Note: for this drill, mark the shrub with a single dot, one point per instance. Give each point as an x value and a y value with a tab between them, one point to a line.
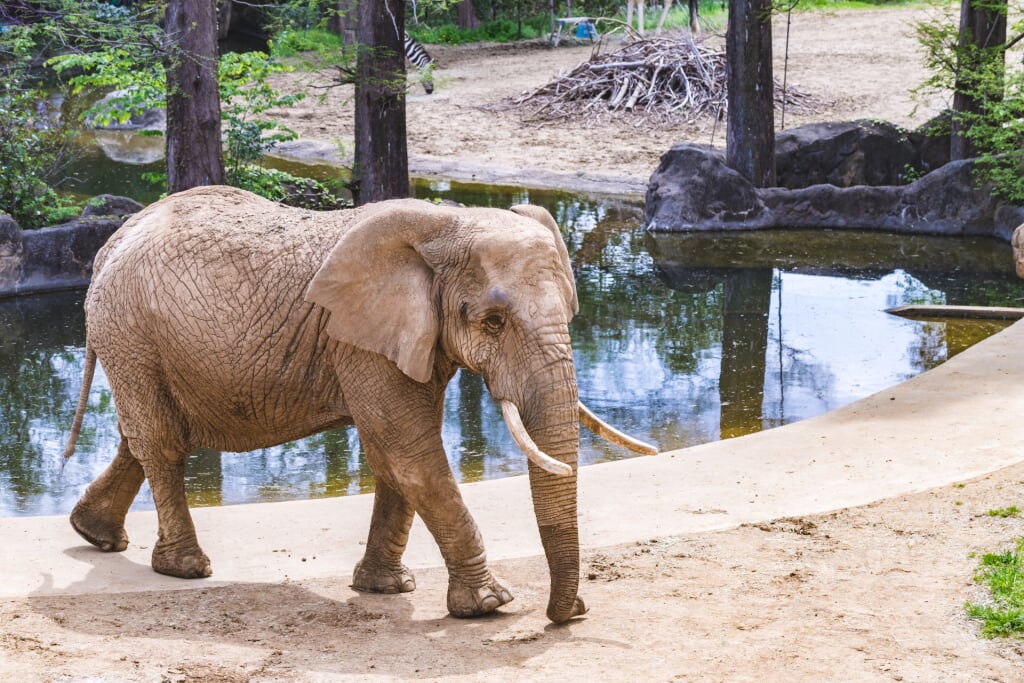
34	142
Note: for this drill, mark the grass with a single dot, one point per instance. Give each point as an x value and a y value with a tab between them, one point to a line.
1003	573
713	16
1012	511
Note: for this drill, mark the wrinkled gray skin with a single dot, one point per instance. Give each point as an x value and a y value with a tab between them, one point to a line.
225	321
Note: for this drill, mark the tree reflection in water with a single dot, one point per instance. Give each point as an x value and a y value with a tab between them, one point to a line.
680	340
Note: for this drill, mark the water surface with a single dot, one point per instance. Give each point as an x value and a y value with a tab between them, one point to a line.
680	340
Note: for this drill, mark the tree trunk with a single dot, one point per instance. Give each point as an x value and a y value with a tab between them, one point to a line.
381	156
194	153
466	14
982	36
224	18
344	20
750	133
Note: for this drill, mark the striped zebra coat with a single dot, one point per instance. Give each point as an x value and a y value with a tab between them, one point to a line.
422	60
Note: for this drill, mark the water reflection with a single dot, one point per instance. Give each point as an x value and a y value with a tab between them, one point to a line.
680	340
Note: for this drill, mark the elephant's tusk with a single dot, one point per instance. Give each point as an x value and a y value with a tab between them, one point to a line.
526	444
613	435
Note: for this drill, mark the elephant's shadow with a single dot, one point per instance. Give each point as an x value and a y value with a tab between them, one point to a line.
314	625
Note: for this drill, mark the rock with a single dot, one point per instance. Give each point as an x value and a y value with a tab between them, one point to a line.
852	153
828	206
128	147
10	252
1018	249
54	258
141	119
111	205
694	189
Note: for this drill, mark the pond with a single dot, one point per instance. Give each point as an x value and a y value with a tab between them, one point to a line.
680	340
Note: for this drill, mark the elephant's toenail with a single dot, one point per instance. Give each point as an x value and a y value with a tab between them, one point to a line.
490	603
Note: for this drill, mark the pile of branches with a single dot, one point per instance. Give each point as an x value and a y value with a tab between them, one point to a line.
654	80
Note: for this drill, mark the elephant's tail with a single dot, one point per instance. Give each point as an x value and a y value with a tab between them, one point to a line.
83	400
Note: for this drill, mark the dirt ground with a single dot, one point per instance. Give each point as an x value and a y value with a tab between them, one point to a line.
859	64
874	593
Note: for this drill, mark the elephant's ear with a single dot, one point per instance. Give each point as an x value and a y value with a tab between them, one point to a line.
542	216
379	289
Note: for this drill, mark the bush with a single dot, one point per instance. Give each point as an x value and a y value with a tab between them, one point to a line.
34	142
286	188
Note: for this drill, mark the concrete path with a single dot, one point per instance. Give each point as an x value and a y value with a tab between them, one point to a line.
958	421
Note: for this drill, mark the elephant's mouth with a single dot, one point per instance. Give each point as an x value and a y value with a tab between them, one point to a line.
587	418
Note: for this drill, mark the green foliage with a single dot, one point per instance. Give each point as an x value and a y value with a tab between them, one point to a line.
1012	511
996	129
135	88
497	31
245	95
284	187
1003	615
290	42
34	143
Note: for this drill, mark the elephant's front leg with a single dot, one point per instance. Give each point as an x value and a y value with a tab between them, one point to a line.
381	569
426	482
399	424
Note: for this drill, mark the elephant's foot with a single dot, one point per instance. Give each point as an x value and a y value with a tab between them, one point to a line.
103	531
186	561
472	601
372	578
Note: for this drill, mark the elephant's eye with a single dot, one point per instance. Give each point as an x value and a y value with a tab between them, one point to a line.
494	322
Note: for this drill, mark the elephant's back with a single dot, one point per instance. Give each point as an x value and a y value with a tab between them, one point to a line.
214	252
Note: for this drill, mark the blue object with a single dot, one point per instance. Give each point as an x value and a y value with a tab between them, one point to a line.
585	29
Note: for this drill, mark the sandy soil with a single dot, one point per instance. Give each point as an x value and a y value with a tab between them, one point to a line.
866	594
856	64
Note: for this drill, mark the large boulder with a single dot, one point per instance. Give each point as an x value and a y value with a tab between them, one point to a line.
693	187
853	153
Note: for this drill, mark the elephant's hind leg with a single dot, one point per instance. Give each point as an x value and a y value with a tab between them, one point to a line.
99	515
381	569
177	551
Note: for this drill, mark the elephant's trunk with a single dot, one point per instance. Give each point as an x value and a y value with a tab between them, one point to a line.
552	420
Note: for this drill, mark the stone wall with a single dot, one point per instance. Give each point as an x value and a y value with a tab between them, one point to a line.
693	189
58	257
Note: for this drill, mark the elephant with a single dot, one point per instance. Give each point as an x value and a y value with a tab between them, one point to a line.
227	321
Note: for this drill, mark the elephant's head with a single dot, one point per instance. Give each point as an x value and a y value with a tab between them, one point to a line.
493	292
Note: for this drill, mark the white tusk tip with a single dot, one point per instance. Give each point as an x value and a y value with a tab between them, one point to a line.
559	469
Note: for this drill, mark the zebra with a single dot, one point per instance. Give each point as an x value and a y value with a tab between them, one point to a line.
422	60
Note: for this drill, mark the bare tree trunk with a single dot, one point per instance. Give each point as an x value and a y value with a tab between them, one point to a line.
750	133
466	14
982	36
194	152
381	155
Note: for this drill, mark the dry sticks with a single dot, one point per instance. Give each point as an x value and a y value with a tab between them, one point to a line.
655	80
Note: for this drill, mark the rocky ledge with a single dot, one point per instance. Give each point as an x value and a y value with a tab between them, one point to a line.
58	257
845	175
